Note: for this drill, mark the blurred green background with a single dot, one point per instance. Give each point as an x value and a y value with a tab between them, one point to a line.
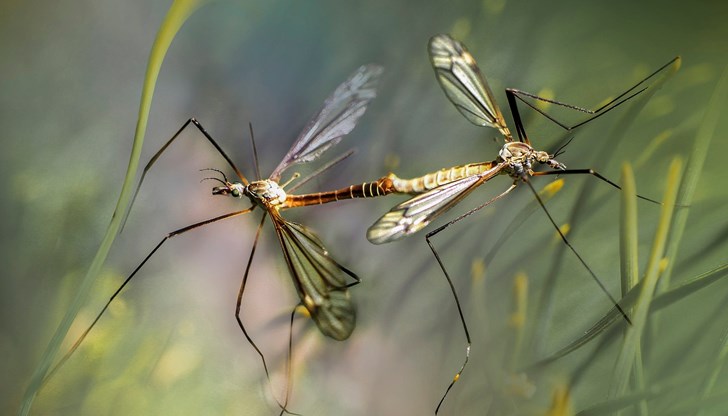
71	78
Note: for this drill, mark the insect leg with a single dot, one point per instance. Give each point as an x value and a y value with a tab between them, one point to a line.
289	360
133	273
238	305
156	156
576	253
512	94
593	173
452	286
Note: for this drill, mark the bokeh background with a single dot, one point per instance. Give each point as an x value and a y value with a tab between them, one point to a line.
71	79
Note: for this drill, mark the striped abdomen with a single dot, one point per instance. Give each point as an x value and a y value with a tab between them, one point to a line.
380	187
433	180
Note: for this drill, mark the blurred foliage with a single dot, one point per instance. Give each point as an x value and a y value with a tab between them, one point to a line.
72	75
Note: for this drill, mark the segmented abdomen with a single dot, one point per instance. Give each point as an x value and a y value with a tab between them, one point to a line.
380	187
433	180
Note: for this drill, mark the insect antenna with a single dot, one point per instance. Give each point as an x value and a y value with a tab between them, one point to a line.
216	170
213	179
560	151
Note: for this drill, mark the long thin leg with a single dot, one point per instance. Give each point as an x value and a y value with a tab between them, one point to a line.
589	172
156	156
133	273
576	253
289	360
452	286
512	94
238	305
510	230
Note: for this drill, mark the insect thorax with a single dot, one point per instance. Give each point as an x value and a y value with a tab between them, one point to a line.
266	192
521	158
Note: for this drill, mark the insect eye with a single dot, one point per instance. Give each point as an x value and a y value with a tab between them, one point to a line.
235	193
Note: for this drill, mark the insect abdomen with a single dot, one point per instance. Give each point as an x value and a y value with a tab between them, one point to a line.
433	180
380	187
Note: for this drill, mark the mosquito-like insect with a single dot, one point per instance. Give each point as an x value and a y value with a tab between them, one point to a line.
321	282
460	78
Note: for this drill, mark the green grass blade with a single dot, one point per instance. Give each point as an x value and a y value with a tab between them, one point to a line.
689	287
654	390
178	13
709	384
693	169
628	231
630	345
662	301
607	149
629	262
717	400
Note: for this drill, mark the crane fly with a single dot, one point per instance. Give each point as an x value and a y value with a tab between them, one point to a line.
460	78
320	281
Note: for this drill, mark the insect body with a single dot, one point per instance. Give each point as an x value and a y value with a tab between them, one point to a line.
321	283
461	80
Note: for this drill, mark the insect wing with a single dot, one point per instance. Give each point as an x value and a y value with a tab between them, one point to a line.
320	281
414	214
459	76
337	117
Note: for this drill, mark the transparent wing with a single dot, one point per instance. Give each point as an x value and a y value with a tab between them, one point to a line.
415	213
459	76
320	281
337	117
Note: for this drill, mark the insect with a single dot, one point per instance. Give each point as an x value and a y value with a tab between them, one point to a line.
461	80
321	283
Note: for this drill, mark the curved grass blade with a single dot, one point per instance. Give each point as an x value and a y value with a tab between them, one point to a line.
657	389
694	167
685	195
631	344
689	287
719	363
618	133
178	13
629	266
629	262
658	303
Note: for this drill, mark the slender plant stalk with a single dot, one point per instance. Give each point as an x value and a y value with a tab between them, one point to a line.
545	304
693	168
626	358
628	231
178	13
687	188
629	260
